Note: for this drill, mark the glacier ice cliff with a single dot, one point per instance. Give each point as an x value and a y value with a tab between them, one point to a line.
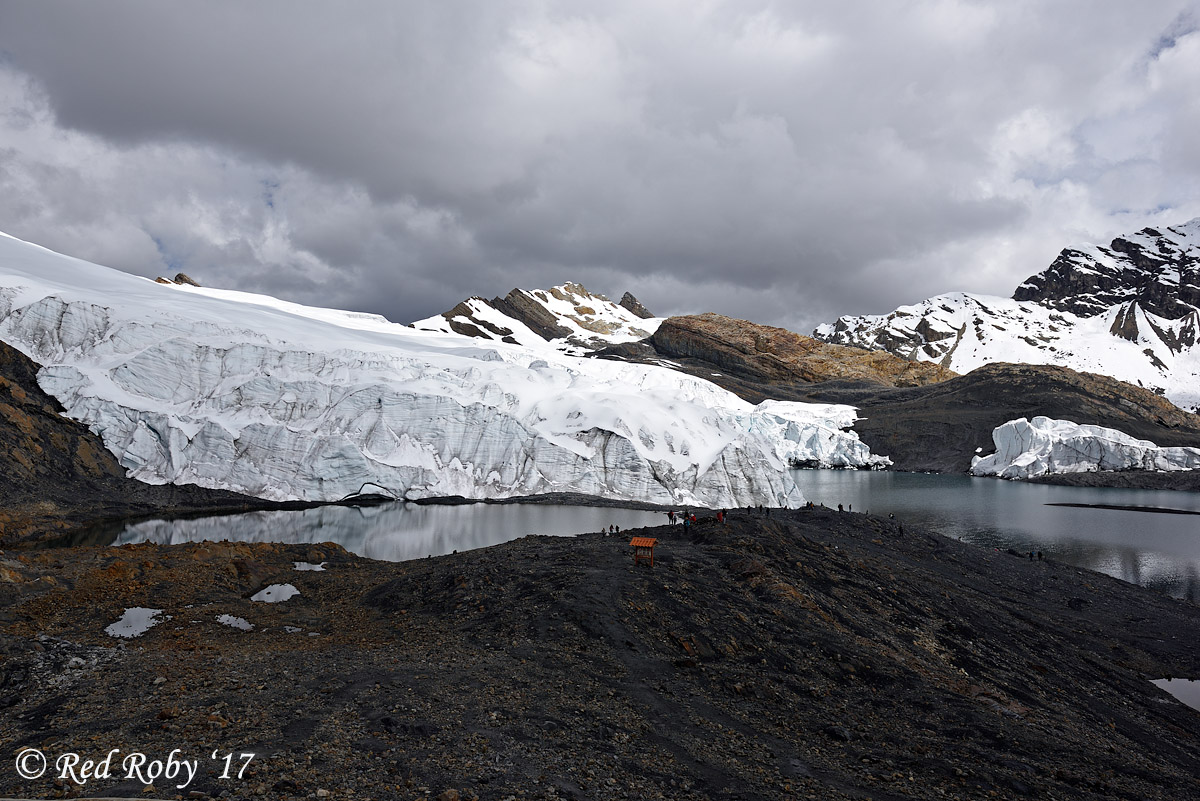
1026	448
249	393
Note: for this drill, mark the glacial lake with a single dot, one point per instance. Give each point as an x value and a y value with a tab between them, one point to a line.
1154	549
1161	551
395	532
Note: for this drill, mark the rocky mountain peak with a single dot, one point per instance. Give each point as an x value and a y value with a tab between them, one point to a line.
569	317
1157	267
1129	309
628	301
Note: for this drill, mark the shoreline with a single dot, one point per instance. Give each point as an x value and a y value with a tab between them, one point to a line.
1127	508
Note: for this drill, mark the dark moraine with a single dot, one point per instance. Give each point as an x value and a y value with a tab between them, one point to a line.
803	654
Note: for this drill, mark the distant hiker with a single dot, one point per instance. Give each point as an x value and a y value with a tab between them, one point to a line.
849	507
671	516
840	509
1031	556
610	528
618	529
1039	556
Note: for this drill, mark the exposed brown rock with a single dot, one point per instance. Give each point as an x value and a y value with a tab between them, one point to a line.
776	355
184	278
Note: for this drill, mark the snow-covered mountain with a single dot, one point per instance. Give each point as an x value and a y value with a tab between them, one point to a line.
568	317
246	392
1130	310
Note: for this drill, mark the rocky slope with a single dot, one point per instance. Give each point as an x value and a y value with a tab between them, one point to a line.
807	654
1159	269
759	362
776	355
56	476
941	427
1130	310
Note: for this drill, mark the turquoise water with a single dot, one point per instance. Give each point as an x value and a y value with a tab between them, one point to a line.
1155	550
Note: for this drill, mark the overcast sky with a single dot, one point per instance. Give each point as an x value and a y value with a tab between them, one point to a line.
784	162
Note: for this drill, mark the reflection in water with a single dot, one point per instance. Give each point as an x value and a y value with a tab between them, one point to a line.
394	532
1185	690
1161	551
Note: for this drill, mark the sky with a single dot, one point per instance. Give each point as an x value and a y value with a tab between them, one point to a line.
782	162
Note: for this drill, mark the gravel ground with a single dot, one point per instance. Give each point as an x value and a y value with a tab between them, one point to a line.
804	654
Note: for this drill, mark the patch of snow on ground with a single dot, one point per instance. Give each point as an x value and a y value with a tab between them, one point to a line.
135	622
309	566
235	622
275	593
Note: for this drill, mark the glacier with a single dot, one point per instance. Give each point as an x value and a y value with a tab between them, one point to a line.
249	393
1027	448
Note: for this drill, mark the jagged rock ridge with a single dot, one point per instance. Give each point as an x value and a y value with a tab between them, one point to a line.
568	317
1157	269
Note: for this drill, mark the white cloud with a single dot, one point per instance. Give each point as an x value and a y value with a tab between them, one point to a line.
781	161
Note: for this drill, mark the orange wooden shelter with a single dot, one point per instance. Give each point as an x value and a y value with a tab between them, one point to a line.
643	548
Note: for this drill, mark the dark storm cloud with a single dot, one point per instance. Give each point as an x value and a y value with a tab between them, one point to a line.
785	162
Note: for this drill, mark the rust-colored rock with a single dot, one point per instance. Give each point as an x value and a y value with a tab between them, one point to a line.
766	353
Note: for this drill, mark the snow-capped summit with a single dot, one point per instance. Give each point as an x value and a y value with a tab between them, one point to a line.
1159	270
567	317
246	392
1130	310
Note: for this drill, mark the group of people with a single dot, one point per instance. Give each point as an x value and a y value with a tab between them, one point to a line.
688	519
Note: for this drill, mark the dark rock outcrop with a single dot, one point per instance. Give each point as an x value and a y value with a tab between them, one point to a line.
938	428
634	305
1159	269
922	416
521	306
